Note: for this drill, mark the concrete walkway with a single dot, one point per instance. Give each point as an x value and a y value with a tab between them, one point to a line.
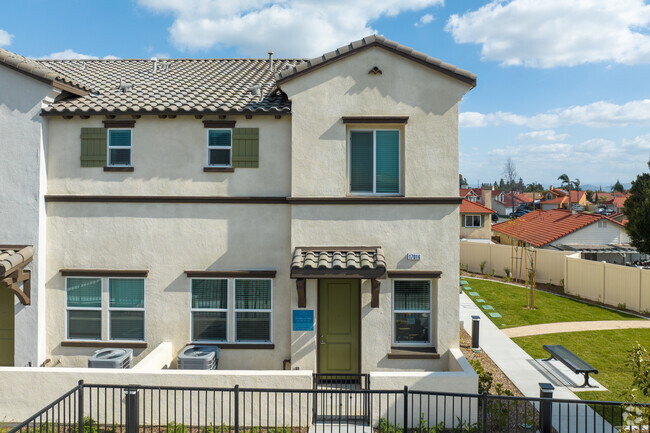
556	328
527	374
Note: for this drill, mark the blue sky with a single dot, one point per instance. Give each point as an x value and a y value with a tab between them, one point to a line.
562	85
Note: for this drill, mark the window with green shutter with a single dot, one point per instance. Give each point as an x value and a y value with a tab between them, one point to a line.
245	147
93	147
374	162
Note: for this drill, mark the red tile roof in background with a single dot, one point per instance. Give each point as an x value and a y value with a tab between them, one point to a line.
540	227
470	207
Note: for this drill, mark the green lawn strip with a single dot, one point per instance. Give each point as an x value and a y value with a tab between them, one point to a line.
510	302
606	351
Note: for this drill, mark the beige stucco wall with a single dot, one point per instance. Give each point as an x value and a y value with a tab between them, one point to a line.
168	156
483	232
168	239
426	229
344	88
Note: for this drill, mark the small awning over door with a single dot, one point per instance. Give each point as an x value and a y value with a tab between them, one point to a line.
338	262
12	261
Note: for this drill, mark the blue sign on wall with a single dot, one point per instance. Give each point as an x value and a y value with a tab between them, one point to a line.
303	320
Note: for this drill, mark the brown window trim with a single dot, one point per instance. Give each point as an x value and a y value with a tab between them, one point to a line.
116	344
376	119
218	169
397	352
367	200
247	346
219	123
119	168
139	273
413	274
120	123
231	274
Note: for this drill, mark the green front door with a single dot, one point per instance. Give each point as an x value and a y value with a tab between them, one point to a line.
339	306
6	327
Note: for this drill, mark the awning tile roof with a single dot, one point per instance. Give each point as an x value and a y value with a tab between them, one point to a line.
339	260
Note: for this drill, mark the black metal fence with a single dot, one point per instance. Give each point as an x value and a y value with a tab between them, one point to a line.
89	408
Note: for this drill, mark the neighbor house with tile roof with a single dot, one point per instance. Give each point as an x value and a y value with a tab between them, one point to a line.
285	210
475	221
597	237
556	198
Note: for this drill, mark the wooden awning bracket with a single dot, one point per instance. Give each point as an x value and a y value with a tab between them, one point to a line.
374	300
301	287
13	280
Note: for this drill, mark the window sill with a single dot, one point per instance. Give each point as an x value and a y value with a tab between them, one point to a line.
218	169
116	344
267	346
119	169
413	353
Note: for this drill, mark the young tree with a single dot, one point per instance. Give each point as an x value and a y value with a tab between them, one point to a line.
510	173
520	185
566	182
590	196
618	187
637	210
461	180
502	184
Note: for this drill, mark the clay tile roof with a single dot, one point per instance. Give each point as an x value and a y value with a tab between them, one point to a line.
470	207
376	41
39	71
540	227
368	262
183	86
14	257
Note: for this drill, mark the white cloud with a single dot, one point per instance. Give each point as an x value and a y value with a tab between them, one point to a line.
303	28
5	38
72	55
552	33
424	20
640	142
545	135
598	114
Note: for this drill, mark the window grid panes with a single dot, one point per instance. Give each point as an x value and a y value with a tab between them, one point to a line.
119	147
374	162
253	308
126	308
220	147
84	308
209	309
472	221
412	311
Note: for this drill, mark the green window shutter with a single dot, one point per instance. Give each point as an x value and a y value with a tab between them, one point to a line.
93	147
245	147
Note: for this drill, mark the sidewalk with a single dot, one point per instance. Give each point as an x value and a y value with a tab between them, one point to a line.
526	373
556	328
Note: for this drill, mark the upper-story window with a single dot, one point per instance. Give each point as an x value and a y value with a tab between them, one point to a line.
472	221
549	196
374	162
119	147
219	147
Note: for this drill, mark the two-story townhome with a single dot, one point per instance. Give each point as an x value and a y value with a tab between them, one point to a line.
298	214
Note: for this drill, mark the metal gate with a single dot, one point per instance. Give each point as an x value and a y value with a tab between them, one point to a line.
339	406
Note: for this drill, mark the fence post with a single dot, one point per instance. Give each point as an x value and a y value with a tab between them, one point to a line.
132	410
485	413
406	408
80	408
546	407
315	397
236	408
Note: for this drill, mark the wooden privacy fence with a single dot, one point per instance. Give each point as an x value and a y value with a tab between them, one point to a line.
611	284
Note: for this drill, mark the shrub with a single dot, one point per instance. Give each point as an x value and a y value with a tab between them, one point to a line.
173	427
622	306
90	426
386	427
494	271
485	378
506	270
482	265
424	427
216	429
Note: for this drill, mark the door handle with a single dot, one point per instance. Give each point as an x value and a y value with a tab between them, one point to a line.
321	340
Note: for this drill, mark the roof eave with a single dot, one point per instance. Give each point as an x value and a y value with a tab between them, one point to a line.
51	113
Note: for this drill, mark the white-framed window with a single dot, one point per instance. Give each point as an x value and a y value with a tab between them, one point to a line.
86	311
219	148
209	309
374	161
253	310
473	198
549	196
119	147
83	308
472	221
412	311
126	309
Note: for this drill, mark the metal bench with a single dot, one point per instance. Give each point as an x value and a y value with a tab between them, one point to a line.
571	360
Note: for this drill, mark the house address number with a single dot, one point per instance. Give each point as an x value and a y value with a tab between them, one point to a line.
412	256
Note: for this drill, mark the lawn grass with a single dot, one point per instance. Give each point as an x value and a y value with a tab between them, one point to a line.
510	302
606	351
